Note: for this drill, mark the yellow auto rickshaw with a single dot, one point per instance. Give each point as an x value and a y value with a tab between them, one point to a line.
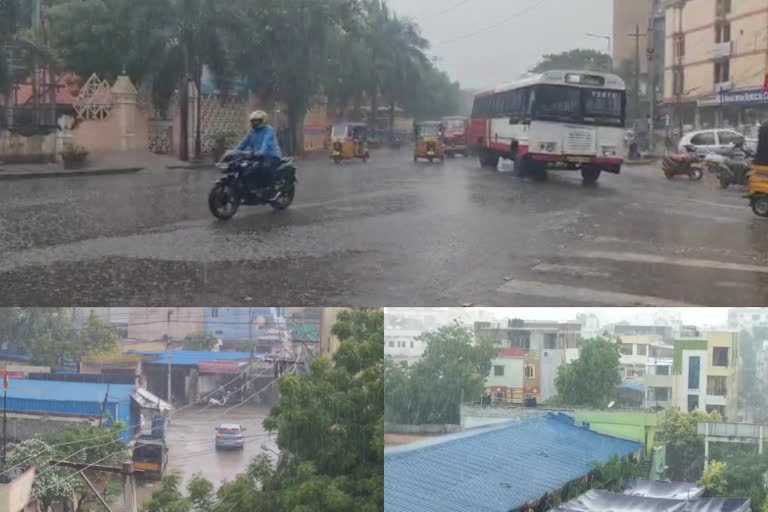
429	141
757	189
150	455
348	141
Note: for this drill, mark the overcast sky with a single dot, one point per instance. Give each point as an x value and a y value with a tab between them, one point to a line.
487	56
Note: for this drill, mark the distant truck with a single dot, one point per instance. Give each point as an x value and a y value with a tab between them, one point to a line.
455	135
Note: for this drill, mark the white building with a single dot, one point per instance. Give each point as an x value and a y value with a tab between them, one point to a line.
746	319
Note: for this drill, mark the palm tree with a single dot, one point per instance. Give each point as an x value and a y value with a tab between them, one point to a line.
405	64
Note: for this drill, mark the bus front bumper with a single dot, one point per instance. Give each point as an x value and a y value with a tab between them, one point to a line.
607	164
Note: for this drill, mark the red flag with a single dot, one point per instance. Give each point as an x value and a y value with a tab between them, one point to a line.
5	381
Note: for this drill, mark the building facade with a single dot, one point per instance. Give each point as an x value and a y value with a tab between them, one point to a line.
152	324
506	380
706	374
715	63
747	319
552	344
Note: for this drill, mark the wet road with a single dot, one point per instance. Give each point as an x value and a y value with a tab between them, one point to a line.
386	233
191	445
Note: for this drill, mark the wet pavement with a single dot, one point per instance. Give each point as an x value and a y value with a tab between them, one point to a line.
191	449
389	232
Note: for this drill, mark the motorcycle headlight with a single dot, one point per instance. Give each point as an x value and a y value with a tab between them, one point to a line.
548	147
222	166
609	150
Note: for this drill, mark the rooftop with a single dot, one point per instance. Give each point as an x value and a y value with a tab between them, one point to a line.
68	391
193	357
479	470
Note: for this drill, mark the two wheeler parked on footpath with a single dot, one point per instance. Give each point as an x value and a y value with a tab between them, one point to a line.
687	164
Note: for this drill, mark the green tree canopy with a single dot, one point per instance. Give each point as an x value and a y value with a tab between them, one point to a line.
685	449
454	365
200	340
714	479
578	59
593	378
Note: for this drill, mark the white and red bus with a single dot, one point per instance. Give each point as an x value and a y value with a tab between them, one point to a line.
559	119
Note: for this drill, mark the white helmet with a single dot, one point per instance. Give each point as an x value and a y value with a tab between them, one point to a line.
258	117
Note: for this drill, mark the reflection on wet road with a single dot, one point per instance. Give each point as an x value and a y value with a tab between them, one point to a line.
389	232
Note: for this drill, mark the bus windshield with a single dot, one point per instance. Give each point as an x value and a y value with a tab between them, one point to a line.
579	105
454	126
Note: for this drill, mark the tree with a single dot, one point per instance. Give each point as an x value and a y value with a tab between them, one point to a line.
685	449
454	365
96	337
578	59
200	340
714	480
52	484
592	379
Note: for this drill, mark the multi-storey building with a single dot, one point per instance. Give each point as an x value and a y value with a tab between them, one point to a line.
506	380
152	324
747	319
716	62
545	347
658	376
705	374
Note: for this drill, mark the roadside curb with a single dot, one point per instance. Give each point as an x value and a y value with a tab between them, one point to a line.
191	167
66	173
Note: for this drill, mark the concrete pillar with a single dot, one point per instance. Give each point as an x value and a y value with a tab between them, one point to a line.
64	133
126	105
706	446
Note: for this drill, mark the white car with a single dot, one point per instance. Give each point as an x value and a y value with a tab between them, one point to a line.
713	141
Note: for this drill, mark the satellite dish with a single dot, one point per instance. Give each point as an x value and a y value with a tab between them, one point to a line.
611	404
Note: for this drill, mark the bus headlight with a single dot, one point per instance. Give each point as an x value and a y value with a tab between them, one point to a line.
548	147
609	150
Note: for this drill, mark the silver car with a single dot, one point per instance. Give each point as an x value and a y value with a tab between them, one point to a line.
230	436
716	140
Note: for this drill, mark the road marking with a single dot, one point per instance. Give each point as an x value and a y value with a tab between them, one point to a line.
572	294
574	270
631	257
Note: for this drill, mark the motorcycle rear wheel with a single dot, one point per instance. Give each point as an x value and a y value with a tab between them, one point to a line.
223	202
286	198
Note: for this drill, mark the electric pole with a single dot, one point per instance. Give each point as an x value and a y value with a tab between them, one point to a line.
636	99
652	84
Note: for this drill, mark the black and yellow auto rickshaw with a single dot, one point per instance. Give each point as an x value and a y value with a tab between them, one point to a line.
150	454
348	141
429	141
757	191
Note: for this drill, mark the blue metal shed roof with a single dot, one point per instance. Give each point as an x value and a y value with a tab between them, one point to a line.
193	357
68	391
495	469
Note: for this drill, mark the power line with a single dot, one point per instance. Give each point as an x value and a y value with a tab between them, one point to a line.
448	9
496	25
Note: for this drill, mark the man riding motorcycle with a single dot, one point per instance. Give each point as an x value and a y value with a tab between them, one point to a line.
261	141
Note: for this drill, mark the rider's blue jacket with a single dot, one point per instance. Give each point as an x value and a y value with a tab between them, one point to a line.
262	141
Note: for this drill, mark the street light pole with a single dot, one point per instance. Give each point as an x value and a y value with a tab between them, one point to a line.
607	38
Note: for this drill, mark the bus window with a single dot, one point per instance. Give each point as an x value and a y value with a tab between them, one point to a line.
604	106
557	103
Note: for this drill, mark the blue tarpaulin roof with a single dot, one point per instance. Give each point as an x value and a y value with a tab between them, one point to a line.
193	357
494	469
634	386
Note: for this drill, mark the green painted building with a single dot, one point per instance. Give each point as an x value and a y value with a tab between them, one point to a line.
634	425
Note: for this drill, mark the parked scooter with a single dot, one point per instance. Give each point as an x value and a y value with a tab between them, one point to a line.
688	164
